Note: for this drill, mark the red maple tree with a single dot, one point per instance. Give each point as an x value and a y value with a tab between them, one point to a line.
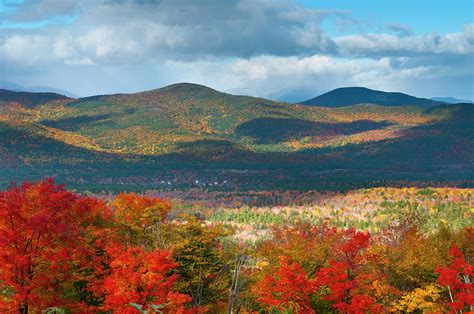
139	276
287	287
457	277
43	230
344	278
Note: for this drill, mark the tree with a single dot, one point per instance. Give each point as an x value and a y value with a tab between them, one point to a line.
286	287
344	282
140	277
138	216
202	263
420	299
457	278
309	245
43	235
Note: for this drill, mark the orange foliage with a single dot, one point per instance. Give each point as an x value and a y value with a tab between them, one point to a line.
140	212
141	277
43	240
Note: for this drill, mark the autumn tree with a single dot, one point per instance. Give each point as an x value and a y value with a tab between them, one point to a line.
420	299
43	235
137	270
349	286
139	217
287	287
336	260
411	258
457	278
202	262
140	277
309	245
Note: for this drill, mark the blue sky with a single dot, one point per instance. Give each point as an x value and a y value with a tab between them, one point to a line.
286	49
423	16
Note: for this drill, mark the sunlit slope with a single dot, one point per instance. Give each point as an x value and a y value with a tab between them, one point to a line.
163	120
186	133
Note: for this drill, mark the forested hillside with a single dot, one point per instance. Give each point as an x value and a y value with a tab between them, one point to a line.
207	136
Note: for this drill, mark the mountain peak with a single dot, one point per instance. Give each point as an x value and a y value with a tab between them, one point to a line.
348	96
187	87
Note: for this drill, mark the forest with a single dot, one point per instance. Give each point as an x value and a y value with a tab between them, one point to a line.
383	250
186	136
236	156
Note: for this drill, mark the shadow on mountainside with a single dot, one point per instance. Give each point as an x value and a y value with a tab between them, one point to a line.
277	130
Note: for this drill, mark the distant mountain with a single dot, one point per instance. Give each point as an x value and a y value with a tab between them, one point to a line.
290	95
12	86
27	99
188	132
451	100
348	96
47	89
244	92
35	89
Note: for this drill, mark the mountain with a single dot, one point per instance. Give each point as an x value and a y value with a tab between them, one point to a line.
348	96
11	86
451	100
187	132
166	119
163	120
35	89
29	99
290	95
244	92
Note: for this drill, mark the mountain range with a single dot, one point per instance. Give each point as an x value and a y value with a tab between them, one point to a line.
176	136
35	89
451	100
348	96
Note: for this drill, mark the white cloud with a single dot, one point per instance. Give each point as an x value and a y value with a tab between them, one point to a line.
380	45
79	61
264	45
400	29
307	75
40	10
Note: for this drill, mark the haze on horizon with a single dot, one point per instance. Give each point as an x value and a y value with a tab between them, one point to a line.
290	50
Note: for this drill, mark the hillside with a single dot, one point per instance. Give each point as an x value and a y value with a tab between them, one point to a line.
164	120
348	96
187	133
28	99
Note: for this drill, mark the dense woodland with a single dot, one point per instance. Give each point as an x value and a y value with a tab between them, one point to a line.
235	204
130	253
191	136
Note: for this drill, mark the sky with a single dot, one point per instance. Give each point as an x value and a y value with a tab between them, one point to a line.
290	50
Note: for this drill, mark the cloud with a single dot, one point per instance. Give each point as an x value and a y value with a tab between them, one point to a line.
79	61
299	78
130	30
190	29
400	29
270	46
385	45
39	10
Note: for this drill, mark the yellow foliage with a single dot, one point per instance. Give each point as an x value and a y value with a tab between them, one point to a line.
420	299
